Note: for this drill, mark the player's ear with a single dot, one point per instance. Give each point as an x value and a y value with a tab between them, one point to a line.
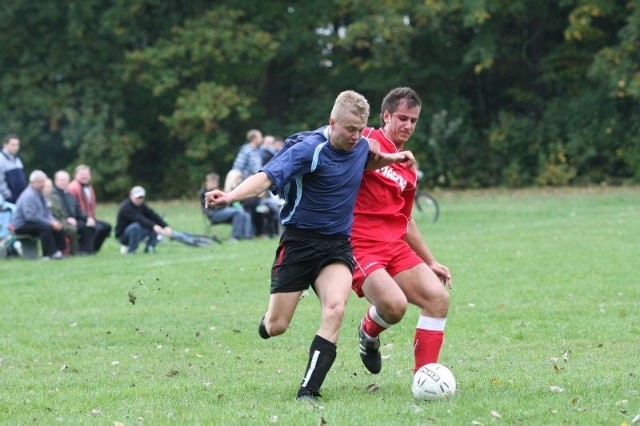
386	116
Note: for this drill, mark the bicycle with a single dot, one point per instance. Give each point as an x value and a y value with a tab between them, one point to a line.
424	203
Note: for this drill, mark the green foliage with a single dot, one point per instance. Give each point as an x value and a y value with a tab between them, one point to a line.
158	92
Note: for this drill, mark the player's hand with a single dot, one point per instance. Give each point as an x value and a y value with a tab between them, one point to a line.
409	159
217	198
443	273
402	157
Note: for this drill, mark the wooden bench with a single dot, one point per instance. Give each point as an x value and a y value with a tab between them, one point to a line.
30	245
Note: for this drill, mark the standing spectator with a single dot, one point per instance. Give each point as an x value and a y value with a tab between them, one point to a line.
249	158
138	222
33	217
12	178
248	162
394	266
83	192
314	249
66	209
267	150
241	226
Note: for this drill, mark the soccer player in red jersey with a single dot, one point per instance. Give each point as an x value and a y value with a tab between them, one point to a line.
394	265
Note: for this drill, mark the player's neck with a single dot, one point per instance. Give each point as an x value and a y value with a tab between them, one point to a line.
399	146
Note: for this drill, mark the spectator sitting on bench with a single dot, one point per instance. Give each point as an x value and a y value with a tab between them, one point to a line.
8	244
66	209
237	216
33	217
81	188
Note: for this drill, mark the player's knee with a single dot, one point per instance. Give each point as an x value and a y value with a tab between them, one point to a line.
443	299
335	312
392	311
438	304
276	328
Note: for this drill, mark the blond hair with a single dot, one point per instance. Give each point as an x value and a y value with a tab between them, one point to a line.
350	102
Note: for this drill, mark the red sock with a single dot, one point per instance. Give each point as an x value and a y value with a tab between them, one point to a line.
426	347
372	328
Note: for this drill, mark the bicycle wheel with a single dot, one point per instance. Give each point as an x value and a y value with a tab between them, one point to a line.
426	204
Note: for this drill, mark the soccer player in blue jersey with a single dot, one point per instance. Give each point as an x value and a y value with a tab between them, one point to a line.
318	174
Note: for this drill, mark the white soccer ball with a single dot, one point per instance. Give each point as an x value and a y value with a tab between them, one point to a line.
433	381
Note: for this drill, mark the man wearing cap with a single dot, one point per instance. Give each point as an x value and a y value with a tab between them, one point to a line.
138	222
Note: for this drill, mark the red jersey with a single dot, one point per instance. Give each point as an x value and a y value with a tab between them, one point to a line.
385	198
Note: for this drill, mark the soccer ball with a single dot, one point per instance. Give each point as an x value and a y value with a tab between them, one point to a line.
433	381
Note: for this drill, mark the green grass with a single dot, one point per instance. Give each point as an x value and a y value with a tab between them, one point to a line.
539	276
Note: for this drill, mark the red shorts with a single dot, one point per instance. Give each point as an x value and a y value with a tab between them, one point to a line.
394	257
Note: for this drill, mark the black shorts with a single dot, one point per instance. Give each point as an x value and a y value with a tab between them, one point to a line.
301	255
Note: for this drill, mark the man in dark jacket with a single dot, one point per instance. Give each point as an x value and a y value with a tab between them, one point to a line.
138	222
12	178
66	209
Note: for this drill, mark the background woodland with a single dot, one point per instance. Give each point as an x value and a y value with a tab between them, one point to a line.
158	92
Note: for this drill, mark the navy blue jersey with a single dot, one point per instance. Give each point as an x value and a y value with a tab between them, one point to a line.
318	182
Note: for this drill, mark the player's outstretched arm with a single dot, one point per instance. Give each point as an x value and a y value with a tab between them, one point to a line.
382	159
250	187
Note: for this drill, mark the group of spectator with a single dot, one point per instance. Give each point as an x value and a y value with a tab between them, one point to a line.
59	212
255	216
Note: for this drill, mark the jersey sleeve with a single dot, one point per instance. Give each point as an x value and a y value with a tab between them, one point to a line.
291	164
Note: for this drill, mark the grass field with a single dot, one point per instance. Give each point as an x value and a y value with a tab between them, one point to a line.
543	329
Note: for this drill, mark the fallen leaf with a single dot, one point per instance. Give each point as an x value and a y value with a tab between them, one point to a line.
132	298
373	387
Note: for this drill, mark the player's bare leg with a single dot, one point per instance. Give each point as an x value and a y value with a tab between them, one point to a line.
424	289
278	316
333	286
388	306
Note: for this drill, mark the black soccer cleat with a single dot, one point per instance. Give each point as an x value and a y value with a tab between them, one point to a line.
262	330
309	396
370	351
